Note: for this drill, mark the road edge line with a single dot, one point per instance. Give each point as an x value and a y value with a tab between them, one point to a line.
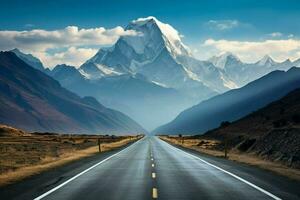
83	172
227	172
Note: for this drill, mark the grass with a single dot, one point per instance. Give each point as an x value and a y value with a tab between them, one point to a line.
207	147
26	154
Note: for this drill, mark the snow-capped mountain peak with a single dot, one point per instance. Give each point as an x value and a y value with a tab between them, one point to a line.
131	52
221	60
266	61
152	30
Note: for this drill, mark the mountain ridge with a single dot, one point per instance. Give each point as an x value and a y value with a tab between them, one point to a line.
233	104
32	100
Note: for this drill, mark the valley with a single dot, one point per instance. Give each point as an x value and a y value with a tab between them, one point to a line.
149	100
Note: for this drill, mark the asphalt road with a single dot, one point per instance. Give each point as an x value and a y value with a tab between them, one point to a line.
150	169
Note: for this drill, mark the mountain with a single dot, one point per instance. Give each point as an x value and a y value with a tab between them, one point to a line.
243	73
155	57
156	52
134	95
266	61
225	60
234	104
29	59
70	78
172	79
33	101
271	132
148	102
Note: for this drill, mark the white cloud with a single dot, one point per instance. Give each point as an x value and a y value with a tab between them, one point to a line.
223	25
72	56
39	41
70	36
251	51
275	34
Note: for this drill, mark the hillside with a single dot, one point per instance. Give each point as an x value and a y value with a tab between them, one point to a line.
233	104
33	101
272	132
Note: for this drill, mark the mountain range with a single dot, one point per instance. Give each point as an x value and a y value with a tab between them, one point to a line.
242	73
233	104
152	76
33	101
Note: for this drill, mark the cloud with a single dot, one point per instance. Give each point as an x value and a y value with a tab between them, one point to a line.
222	25
251	51
72	56
72	38
275	34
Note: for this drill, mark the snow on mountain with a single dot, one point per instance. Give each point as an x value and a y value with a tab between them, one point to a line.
153	36
224	59
170	36
144	72
296	63
158	53
266	61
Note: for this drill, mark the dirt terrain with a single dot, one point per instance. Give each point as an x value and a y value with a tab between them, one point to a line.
23	154
212	147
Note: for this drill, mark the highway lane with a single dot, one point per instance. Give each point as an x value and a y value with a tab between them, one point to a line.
183	176
124	176
154	169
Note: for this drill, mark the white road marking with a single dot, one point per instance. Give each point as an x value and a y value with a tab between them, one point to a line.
154	193
152	159
229	173
152	165
153	175
83	172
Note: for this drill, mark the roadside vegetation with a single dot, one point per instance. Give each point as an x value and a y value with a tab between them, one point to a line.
24	154
216	148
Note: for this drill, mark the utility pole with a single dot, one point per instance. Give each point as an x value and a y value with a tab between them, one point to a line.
225	147
99	144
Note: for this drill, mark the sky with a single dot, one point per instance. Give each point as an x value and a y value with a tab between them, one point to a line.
71	31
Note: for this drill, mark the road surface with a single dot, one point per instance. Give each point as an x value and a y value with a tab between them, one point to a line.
154	169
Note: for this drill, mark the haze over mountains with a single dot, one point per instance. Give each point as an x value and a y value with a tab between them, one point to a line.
34	101
152	76
242	73
234	104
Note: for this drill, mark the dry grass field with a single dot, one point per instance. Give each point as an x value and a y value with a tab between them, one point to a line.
24	154
207	146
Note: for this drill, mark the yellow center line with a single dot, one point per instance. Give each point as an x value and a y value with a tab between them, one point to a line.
154	193
153	175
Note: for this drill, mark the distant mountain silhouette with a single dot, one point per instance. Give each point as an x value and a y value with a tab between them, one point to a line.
234	104
34	101
134	95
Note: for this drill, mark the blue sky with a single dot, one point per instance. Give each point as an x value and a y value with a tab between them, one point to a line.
198	21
